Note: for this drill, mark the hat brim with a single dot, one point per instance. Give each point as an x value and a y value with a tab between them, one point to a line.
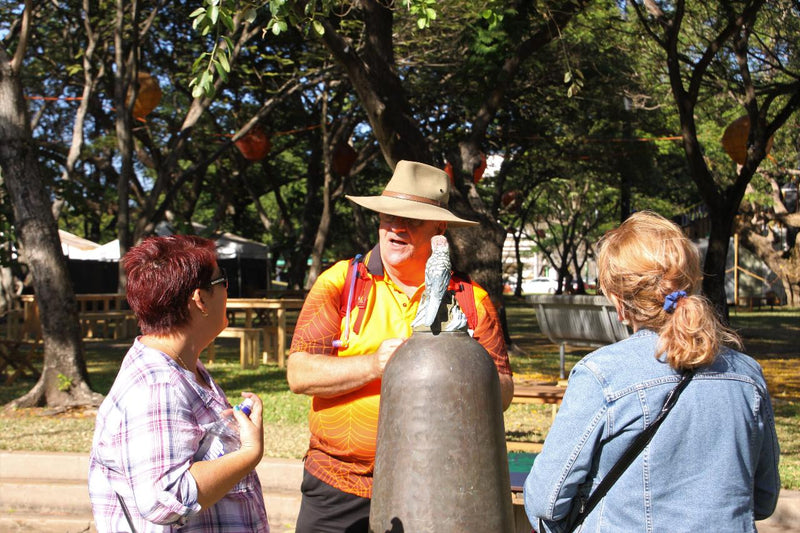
410	209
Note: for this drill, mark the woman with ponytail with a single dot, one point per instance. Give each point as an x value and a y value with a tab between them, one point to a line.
713	462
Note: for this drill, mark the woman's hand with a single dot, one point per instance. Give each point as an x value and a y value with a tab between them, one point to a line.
216	477
251	429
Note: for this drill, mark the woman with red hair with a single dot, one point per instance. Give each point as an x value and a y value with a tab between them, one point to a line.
147	472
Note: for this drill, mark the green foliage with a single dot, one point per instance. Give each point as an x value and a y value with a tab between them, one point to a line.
64	383
216	16
573	79
424	11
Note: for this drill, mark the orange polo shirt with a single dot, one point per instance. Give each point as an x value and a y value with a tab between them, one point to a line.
344	429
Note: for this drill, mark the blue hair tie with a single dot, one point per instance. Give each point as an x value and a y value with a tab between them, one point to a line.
672	300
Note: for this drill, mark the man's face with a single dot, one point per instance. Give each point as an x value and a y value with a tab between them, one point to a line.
406	242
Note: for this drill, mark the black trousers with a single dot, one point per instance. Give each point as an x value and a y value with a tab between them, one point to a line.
326	509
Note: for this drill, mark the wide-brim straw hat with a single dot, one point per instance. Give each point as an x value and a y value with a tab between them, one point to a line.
417	191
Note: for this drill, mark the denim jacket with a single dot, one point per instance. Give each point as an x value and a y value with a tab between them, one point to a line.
712	463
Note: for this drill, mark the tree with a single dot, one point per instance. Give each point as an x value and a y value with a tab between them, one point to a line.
769	224
64	379
717	55
365	40
569	216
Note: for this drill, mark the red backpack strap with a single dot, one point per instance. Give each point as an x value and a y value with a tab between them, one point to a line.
465	296
356	289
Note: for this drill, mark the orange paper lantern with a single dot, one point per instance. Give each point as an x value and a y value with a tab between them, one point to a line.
448	168
511	200
734	139
478	173
255	144
343	158
148	97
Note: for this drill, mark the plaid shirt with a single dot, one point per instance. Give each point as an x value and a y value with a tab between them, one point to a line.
147	430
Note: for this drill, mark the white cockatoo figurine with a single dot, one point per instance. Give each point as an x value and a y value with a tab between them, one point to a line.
437	278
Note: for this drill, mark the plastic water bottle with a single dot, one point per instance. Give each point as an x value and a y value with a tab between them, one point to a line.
222	435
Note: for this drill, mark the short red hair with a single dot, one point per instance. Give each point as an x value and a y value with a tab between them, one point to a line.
163	272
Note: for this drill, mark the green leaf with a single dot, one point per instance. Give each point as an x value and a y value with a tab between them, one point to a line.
213	14
567	76
250	14
199	61
319	29
223	62
421	23
221	70
197	12
227	20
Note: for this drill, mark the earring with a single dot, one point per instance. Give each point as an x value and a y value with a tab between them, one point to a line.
204	313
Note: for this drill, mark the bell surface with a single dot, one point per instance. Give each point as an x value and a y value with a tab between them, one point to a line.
441	463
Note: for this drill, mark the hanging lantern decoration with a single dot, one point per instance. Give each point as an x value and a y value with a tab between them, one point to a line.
448	168
148	97
255	144
477	174
343	158
511	200
734	139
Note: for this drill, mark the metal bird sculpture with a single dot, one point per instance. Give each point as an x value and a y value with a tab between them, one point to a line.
437	278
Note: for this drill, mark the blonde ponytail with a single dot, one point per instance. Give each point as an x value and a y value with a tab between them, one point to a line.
653	271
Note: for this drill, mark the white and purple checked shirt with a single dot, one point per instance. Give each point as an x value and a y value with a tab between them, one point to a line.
147	430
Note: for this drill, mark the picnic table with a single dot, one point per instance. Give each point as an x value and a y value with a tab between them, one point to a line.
103	315
267	319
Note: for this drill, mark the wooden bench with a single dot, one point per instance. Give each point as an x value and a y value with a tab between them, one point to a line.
108	324
577	320
535	394
249	350
542	394
18	354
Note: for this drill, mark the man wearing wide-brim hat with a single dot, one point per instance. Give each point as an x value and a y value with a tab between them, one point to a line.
338	357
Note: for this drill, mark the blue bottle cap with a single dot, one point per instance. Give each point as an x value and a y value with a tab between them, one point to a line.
246	406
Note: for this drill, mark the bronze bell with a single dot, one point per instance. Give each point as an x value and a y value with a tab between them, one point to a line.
441	464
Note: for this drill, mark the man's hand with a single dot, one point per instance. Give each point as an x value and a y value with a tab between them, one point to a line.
385	352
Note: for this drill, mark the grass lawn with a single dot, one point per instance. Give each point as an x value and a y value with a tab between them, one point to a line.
769	335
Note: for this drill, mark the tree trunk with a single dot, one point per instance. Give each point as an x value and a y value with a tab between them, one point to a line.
64	380
716	258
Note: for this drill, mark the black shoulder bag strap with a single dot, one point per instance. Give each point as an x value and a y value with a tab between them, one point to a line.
126	512
630	454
